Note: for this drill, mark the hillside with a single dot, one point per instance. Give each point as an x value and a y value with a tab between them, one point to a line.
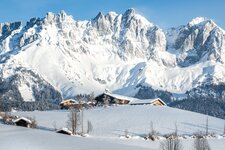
113	121
109	125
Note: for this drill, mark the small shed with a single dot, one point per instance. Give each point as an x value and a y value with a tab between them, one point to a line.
23	122
64	131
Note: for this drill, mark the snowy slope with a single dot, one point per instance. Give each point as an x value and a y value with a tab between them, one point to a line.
21	138
113	121
12	138
109	125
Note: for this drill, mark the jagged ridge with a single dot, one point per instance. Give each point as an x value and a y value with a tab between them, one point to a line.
115	51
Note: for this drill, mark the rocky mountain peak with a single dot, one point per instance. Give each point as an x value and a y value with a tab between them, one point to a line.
197	21
99	16
129	12
62	14
109	39
7	28
59	18
33	21
196	42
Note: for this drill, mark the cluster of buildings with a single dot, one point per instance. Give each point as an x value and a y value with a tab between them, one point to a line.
100	100
110	99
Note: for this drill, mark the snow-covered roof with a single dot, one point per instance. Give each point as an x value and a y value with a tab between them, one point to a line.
23	118
65	130
134	100
147	101
159	100
117	96
141	101
69	100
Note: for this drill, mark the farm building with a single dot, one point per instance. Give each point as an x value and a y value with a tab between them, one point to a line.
74	104
23	122
155	102
109	98
64	131
67	103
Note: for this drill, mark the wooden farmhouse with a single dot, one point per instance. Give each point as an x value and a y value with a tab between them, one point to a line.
67	103
109	98
23	122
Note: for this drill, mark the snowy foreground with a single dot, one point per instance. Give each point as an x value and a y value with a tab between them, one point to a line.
109	125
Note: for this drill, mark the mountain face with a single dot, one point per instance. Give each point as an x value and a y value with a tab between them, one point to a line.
200	40
124	53
23	87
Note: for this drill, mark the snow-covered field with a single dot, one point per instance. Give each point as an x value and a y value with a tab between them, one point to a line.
109	125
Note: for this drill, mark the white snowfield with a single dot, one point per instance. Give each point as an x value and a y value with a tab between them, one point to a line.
19	138
109	125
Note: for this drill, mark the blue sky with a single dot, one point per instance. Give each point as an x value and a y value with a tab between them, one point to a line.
164	13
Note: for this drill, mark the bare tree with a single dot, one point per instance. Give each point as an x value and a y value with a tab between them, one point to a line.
224	129
126	134
152	134
176	130
201	143
82	121
152	130
171	143
207	127
54	125
5	117
89	127
33	123
91	97
106	100
73	121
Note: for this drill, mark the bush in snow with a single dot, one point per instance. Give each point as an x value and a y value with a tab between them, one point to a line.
33	122
171	143
126	134
201	142
7	118
89	127
152	135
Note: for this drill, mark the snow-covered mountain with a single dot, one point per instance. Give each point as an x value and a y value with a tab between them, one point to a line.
120	52
199	41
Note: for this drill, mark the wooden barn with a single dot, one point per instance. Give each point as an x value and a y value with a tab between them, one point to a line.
109	98
23	122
